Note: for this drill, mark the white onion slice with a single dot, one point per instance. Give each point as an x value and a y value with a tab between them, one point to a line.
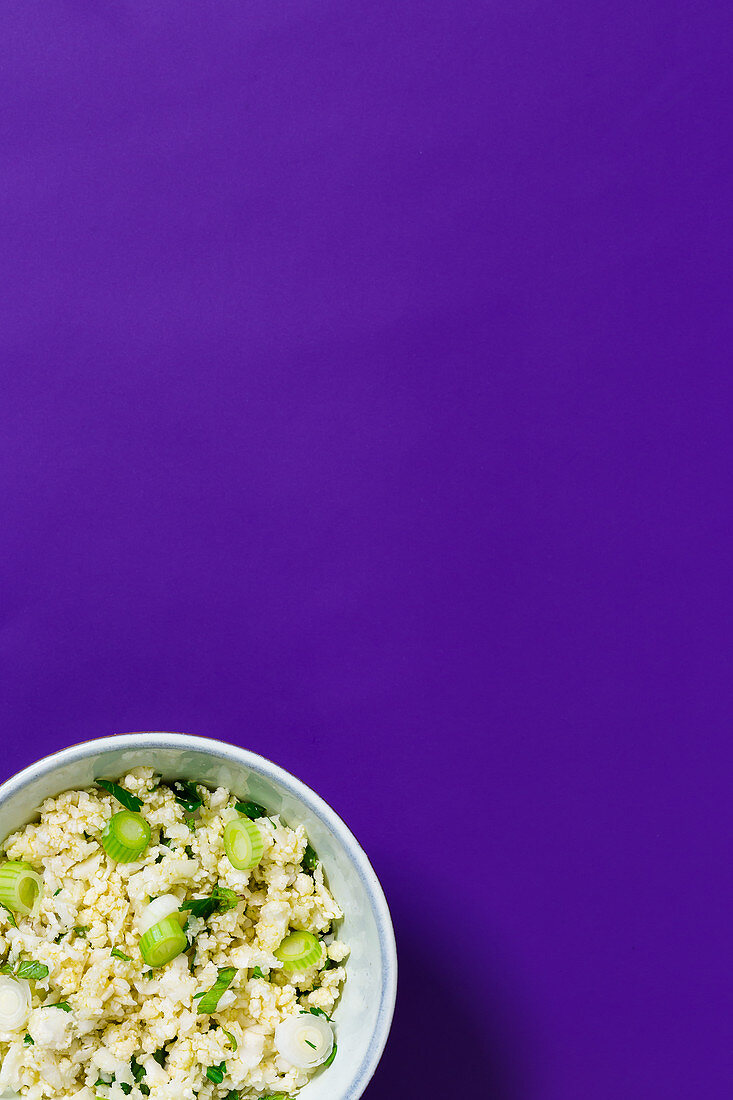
157	911
305	1040
15	1003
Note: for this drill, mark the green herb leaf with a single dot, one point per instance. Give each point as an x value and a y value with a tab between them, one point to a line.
117	954
186	794
310	1044
57	892
6	968
160	1056
145	1090
63	1005
138	1071
252	810
81	930
127	1089
211	998
232	1039
165	840
220	899
216	1073
257	973
330	964
129	801
9	915
310	858
32	970
60	937
189	851
29	1041
315	1012
331	1057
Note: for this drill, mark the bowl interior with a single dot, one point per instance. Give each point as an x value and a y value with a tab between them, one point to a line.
364	1011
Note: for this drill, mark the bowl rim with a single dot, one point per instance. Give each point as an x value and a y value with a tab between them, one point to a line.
316	803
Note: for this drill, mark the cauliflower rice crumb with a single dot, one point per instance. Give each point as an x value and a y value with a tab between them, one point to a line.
129	1032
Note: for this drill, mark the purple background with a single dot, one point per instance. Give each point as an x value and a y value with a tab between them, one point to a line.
366	402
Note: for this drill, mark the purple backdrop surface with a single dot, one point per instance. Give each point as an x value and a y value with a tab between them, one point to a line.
365	402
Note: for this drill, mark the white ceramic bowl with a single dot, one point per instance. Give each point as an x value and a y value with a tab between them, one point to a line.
364	1013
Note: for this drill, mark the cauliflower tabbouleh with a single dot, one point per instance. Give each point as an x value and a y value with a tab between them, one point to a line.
161	940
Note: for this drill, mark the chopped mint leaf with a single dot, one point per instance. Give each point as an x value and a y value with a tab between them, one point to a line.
310	858
252	810
32	970
129	801
216	1073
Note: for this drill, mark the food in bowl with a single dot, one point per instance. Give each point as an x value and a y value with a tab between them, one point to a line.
160	939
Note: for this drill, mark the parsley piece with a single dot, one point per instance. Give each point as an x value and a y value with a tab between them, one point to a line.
330	964
310	1044
252	810
220	899
257	973
210	998
331	1057
310	858
314	1012
9	917
189	851
29	1041
129	801
117	954
186	794
60	937
216	1073
127	1089
81	930
138	1071
63	1005
231	1038
57	892
6	968
145	1090
160	1056
32	969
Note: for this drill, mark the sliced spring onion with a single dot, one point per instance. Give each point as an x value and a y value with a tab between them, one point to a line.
251	809
243	844
163	942
158	910
129	801
298	951
306	1041
209	1000
126	836
15	1003
331	1056
20	888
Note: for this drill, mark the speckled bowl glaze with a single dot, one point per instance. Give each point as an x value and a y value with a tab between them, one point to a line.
364	1013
